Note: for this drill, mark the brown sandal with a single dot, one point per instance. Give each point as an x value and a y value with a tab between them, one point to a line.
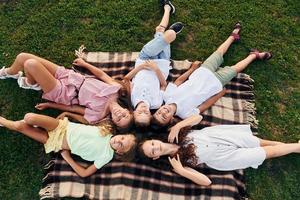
236	36
267	56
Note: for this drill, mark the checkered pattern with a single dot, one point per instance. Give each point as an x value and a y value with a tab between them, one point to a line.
120	180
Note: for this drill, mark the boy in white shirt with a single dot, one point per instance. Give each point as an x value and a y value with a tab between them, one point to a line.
152	69
187	99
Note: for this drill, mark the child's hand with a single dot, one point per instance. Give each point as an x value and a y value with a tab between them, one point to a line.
150	65
174	131
196	64
42	106
62	115
79	62
176	164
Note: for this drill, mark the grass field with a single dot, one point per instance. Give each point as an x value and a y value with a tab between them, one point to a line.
54	29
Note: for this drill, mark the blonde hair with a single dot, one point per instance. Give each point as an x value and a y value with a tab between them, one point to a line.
106	127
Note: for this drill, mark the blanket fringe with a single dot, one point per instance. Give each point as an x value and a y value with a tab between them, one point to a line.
49	164
80	52
251	111
47	192
246	80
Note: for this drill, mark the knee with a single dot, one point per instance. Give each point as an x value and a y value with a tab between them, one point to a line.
29	118
22	57
169	36
30	64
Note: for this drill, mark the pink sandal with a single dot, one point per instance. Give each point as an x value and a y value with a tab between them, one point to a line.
267	56
236	36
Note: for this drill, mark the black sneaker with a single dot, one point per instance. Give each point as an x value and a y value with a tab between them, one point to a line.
177	27
168	2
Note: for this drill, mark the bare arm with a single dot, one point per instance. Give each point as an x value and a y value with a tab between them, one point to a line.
73	108
191	121
196	176
188	172
99	73
153	66
80	170
161	78
76	117
209	102
185	75
133	72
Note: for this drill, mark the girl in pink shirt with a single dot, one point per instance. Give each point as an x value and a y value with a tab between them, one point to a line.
84	98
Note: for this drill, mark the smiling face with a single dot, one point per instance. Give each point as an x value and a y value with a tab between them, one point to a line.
164	114
121	116
153	148
122	143
142	114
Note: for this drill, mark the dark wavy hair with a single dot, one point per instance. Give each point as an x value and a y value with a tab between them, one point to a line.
186	151
187	148
124	94
124	100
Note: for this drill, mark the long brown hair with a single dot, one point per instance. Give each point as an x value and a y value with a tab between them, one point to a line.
187	148
124	94
186	151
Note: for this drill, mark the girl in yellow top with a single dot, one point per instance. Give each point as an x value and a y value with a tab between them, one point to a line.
92	143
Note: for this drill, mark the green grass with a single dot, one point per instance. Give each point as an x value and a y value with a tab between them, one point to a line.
54	30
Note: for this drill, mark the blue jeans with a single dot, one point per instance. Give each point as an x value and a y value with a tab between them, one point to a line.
157	48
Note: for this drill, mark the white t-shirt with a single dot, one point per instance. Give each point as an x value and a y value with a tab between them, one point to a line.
227	147
201	85
146	85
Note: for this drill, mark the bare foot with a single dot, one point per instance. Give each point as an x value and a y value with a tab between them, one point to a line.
12	125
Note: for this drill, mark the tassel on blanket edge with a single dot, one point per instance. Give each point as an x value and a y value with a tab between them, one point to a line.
251	111
80	52
49	164
47	192
252	121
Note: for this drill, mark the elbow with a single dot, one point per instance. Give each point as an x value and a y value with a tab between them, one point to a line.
83	175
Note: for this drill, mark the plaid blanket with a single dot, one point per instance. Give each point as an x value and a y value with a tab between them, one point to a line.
121	180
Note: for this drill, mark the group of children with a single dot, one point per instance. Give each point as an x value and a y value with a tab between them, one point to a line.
89	100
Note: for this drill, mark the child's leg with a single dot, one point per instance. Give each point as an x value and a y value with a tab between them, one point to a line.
216	59
37	72
240	66
38	134
227	73
18	64
165	20
281	150
159	47
42	121
222	49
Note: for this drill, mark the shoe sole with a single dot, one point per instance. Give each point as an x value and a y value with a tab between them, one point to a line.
180	29
172	7
20	83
